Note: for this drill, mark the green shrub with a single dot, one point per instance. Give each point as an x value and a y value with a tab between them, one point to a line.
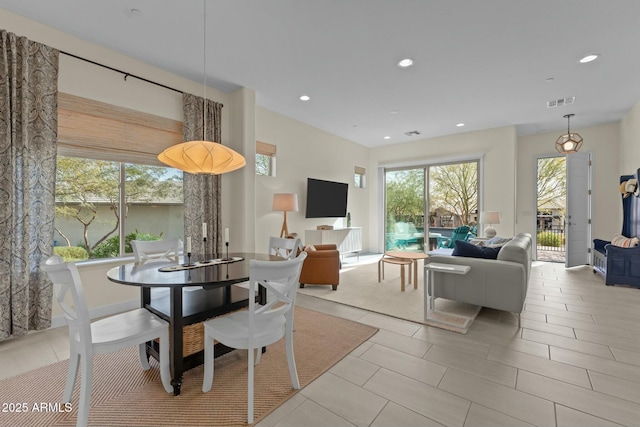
111	247
549	238
71	253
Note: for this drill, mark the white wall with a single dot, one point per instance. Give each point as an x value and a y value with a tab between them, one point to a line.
603	144
496	147
305	152
238	187
630	142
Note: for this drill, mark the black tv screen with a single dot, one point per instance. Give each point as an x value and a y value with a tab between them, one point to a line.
326	199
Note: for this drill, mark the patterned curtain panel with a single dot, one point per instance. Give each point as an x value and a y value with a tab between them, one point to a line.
28	133
202	193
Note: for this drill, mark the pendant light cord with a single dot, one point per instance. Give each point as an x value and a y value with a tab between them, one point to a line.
568	116
204	72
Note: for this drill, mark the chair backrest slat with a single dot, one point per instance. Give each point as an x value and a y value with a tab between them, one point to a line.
66	279
285	248
281	278
168	249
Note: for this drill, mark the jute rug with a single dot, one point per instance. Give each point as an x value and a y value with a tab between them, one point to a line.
125	395
359	287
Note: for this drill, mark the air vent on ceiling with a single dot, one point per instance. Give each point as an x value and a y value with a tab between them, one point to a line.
412	133
560	102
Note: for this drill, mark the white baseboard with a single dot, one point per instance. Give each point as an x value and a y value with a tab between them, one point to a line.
97	312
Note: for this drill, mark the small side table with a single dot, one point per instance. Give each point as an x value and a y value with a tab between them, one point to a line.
414	257
442	268
401	262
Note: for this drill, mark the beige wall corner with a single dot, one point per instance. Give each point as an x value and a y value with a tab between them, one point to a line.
238	187
630	142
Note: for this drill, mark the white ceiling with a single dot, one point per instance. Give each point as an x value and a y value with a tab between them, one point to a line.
484	63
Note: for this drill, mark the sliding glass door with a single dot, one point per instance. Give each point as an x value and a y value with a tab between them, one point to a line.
448	193
405	206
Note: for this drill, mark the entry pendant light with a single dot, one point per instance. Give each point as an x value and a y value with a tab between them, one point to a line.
569	143
201	156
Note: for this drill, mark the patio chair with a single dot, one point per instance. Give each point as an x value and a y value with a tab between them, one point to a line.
459	233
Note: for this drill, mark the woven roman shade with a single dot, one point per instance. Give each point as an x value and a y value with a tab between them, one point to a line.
96	130
265	148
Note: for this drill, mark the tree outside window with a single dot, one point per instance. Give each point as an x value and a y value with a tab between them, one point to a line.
265	159
88	213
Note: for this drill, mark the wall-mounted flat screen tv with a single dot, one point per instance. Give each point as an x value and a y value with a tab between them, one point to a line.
326	199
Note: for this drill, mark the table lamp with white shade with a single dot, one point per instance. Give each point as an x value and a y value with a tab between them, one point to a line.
285	202
489	218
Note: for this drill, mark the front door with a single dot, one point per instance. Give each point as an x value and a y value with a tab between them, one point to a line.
578	232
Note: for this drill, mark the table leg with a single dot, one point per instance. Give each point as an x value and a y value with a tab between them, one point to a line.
262	300
175	343
431	280
415	274
426	294
145	298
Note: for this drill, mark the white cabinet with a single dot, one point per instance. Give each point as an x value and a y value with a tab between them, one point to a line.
346	239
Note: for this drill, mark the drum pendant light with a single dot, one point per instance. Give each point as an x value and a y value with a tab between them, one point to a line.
202	156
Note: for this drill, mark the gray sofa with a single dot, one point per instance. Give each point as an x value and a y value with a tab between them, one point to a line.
495	283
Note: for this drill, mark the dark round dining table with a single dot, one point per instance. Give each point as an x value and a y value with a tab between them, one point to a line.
209	294
209	275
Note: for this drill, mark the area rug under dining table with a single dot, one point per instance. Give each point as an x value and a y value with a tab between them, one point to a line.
359	287
125	395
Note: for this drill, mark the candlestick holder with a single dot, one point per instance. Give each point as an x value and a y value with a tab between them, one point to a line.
188	259
226	258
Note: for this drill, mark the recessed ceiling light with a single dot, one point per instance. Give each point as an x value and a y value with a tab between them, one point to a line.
393	112
305	98
589	58
406	62
387	137
460	125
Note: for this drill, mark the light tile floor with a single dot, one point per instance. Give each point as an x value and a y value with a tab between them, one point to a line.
575	362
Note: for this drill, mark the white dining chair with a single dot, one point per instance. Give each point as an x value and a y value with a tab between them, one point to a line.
284	248
259	326
106	335
145	250
159	250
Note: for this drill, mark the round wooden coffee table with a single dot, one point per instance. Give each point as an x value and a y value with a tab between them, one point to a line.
414	257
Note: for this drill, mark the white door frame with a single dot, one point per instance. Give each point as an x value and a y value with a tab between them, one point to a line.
578	218
535	202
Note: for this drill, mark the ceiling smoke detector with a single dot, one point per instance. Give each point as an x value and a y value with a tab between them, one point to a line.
412	133
560	102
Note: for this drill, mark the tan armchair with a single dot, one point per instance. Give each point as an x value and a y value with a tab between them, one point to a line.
321	267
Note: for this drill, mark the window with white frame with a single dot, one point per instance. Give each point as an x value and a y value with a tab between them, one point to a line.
110	189
359	177
265	159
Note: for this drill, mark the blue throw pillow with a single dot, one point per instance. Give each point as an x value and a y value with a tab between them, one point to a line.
462	248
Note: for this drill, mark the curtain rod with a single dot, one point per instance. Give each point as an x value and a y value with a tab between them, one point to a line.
120	71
